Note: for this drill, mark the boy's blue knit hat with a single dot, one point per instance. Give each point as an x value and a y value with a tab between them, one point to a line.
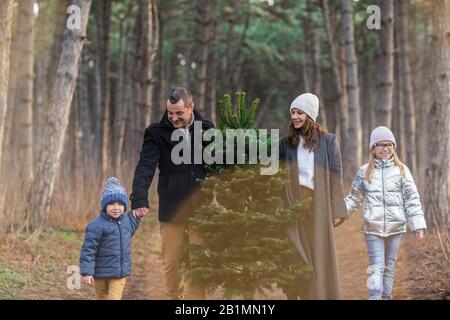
113	191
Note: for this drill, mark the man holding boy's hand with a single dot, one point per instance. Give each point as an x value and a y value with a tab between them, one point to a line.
176	186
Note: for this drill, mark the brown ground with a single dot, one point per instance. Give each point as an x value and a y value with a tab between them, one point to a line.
39	270
353	262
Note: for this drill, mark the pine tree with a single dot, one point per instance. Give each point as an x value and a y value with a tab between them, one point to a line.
242	221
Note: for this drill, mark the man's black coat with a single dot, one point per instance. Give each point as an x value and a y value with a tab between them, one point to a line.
177	183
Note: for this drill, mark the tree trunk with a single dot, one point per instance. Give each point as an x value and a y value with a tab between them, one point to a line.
41	66
212	73
436	189
421	67
307	48
6	12
155	37
366	88
23	117
84	114
120	107
55	131
398	128
98	114
386	67
103	27
341	108
408	105
354	142
203	42
58	20
135	65
315	59
8	147
149	47
162	80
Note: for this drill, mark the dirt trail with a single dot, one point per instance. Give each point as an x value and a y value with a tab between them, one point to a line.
147	281
353	262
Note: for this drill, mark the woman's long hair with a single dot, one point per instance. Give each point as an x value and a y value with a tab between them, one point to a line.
311	132
371	165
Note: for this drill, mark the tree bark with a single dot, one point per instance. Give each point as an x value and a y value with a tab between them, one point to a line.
23	117
58	20
212	73
55	131
6	13
353	150
120	106
386	67
41	66
315	53
8	148
83	114
154	31
341	107
398	128
149	47
436	188
408	105
203	42
103	28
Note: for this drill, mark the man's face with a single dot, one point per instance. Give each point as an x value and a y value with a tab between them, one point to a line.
179	114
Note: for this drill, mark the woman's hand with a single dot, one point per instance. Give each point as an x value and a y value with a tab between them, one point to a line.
338	221
419	235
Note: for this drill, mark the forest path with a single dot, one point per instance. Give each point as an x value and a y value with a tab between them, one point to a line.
147	281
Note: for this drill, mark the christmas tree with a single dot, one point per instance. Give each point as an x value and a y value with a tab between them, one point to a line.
242	221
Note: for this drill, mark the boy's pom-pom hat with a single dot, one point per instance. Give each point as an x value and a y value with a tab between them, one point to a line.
113	192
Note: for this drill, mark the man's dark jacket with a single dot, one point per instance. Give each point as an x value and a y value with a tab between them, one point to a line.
177	184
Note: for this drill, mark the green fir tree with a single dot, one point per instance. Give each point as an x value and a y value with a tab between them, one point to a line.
242	221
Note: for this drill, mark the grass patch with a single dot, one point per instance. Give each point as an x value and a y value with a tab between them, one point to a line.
9	278
66	235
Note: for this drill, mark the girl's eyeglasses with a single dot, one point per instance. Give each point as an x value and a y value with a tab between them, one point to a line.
381	146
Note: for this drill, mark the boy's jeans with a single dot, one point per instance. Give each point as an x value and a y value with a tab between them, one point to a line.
382	257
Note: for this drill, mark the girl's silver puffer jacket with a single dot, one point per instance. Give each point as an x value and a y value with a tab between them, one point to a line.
388	202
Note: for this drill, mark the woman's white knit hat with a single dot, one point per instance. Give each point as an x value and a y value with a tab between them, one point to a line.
308	103
381	134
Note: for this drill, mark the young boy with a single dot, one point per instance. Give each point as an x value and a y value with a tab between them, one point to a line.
105	259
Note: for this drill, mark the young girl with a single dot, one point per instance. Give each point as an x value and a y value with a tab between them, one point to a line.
386	191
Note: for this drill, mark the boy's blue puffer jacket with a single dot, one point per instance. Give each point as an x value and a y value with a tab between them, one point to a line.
106	249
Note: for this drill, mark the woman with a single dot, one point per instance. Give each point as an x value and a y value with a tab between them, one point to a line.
385	190
314	168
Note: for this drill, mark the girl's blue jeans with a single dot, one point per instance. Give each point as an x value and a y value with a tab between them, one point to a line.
382	257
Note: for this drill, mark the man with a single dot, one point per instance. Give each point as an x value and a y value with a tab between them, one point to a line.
176	186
